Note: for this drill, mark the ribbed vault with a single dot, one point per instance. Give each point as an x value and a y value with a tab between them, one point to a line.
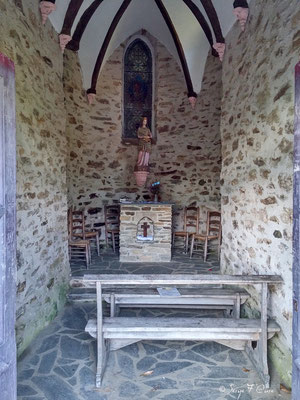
187	28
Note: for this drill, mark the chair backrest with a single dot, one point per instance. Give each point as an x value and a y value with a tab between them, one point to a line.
70	224
76	223
214	225
191	219
112	217
94	219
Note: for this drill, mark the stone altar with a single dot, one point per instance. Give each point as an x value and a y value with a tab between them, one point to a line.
145	232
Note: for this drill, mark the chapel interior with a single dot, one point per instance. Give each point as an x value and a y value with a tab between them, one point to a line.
221	116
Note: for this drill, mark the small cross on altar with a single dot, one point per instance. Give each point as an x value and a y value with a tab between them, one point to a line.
145	227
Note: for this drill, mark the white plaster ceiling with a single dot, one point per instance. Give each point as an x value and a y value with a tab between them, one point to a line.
144	14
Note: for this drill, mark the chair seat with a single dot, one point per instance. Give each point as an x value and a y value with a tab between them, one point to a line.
113	230
77	234
91	234
86	234
82	243
204	237
182	233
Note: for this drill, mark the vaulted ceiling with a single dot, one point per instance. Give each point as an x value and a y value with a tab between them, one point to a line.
187	28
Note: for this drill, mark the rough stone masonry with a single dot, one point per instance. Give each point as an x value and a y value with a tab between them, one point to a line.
42	238
257	157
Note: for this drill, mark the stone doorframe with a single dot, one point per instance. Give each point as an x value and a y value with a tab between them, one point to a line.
296	243
8	268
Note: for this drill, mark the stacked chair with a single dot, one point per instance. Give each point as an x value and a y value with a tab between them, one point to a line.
112	225
190	226
211	237
78	249
95	222
78	232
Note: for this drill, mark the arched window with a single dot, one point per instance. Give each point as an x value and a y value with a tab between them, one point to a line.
138	88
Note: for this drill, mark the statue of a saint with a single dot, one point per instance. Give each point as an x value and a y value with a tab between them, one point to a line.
145	138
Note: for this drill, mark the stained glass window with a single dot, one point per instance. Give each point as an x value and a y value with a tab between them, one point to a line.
137	87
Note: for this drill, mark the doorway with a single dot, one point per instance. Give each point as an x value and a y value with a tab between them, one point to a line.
296	242
7	230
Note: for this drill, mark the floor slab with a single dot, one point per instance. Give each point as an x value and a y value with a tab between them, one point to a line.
108	262
60	365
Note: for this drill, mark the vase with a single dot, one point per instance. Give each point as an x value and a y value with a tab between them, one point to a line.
156	198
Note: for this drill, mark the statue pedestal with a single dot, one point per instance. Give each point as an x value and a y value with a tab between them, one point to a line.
141	175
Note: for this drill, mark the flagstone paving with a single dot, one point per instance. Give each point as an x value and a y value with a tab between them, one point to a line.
109	263
60	364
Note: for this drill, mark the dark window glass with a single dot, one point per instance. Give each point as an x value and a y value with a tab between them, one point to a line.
137	87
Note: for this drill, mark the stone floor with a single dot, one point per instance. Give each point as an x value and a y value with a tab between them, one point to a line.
108	262
60	364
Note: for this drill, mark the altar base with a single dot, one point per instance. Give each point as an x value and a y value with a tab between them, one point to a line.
145	232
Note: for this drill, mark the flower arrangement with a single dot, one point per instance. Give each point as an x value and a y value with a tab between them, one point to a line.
154	189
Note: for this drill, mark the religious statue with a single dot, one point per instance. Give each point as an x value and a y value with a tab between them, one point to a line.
141	170
145	136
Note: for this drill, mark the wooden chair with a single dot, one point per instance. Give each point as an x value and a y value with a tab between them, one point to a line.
78	249
112	224
213	233
78	228
95	220
190	226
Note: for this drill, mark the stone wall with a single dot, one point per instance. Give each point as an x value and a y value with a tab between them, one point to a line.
41	166
257	153
186	158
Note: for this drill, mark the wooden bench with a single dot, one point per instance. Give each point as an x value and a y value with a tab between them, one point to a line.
216	298
238	333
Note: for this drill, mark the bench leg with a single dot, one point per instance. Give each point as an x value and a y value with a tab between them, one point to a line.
259	361
264	334
87	255
237	306
185	244
103	351
102	345
259	354
192	246
98	244
113	242
205	249
100	363
112	305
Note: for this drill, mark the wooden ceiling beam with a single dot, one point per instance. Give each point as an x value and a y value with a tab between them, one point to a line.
166	16
105	44
203	23
82	24
70	16
214	20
